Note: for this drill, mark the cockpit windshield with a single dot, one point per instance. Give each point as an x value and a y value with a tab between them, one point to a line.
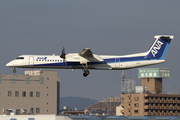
20	58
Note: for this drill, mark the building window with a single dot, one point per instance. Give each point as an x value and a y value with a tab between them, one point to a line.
37	110
136	104
148	79
136	111
24	93
9	93
122	100
30	94
37	94
16	93
136	98
18	112
23	111
32	110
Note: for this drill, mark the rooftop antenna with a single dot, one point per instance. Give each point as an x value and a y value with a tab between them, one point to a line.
127	85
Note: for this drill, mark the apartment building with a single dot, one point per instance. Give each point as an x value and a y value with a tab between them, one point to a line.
149	99
150	104
36	92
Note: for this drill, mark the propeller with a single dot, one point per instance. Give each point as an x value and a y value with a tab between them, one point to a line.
63	55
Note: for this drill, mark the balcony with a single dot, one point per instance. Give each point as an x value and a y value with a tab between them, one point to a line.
161	114
147	107
147	113
161	107
168	101
152	107
161	101
152	101
147	100
152	114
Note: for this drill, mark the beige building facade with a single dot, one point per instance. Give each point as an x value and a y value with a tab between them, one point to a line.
150	104
36	92
151	101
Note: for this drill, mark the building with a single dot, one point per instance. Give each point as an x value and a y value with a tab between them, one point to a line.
104	107
149	99
150	104
36	92
34	117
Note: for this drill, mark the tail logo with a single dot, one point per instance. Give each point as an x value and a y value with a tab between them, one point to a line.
156	47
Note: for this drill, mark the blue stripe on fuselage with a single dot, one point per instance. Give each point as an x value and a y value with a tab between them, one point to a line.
106	61
125	59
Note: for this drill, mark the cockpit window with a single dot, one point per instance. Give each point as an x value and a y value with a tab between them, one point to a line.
20	58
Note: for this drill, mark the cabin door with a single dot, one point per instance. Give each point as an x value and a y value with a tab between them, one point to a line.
117	63
31	60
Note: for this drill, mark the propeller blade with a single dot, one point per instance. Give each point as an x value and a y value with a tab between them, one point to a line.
63	55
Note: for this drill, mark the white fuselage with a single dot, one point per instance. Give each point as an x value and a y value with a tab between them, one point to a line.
73	61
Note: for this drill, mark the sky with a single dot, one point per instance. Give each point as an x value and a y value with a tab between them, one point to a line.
107	27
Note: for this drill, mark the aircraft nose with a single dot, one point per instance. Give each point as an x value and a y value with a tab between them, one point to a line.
10	64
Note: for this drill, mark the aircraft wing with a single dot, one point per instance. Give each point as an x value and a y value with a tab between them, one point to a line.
86	53
89	56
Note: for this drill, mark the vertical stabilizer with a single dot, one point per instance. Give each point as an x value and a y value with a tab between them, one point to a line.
159	47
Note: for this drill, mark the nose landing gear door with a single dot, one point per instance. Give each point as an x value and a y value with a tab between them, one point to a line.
31	61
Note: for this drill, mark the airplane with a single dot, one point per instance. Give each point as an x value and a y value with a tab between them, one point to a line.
86	60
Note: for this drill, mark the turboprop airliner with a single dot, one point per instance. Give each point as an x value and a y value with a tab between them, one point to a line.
86	60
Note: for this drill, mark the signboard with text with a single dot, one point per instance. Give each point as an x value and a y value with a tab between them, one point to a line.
154	72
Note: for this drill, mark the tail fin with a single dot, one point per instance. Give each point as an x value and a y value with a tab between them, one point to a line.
159	47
